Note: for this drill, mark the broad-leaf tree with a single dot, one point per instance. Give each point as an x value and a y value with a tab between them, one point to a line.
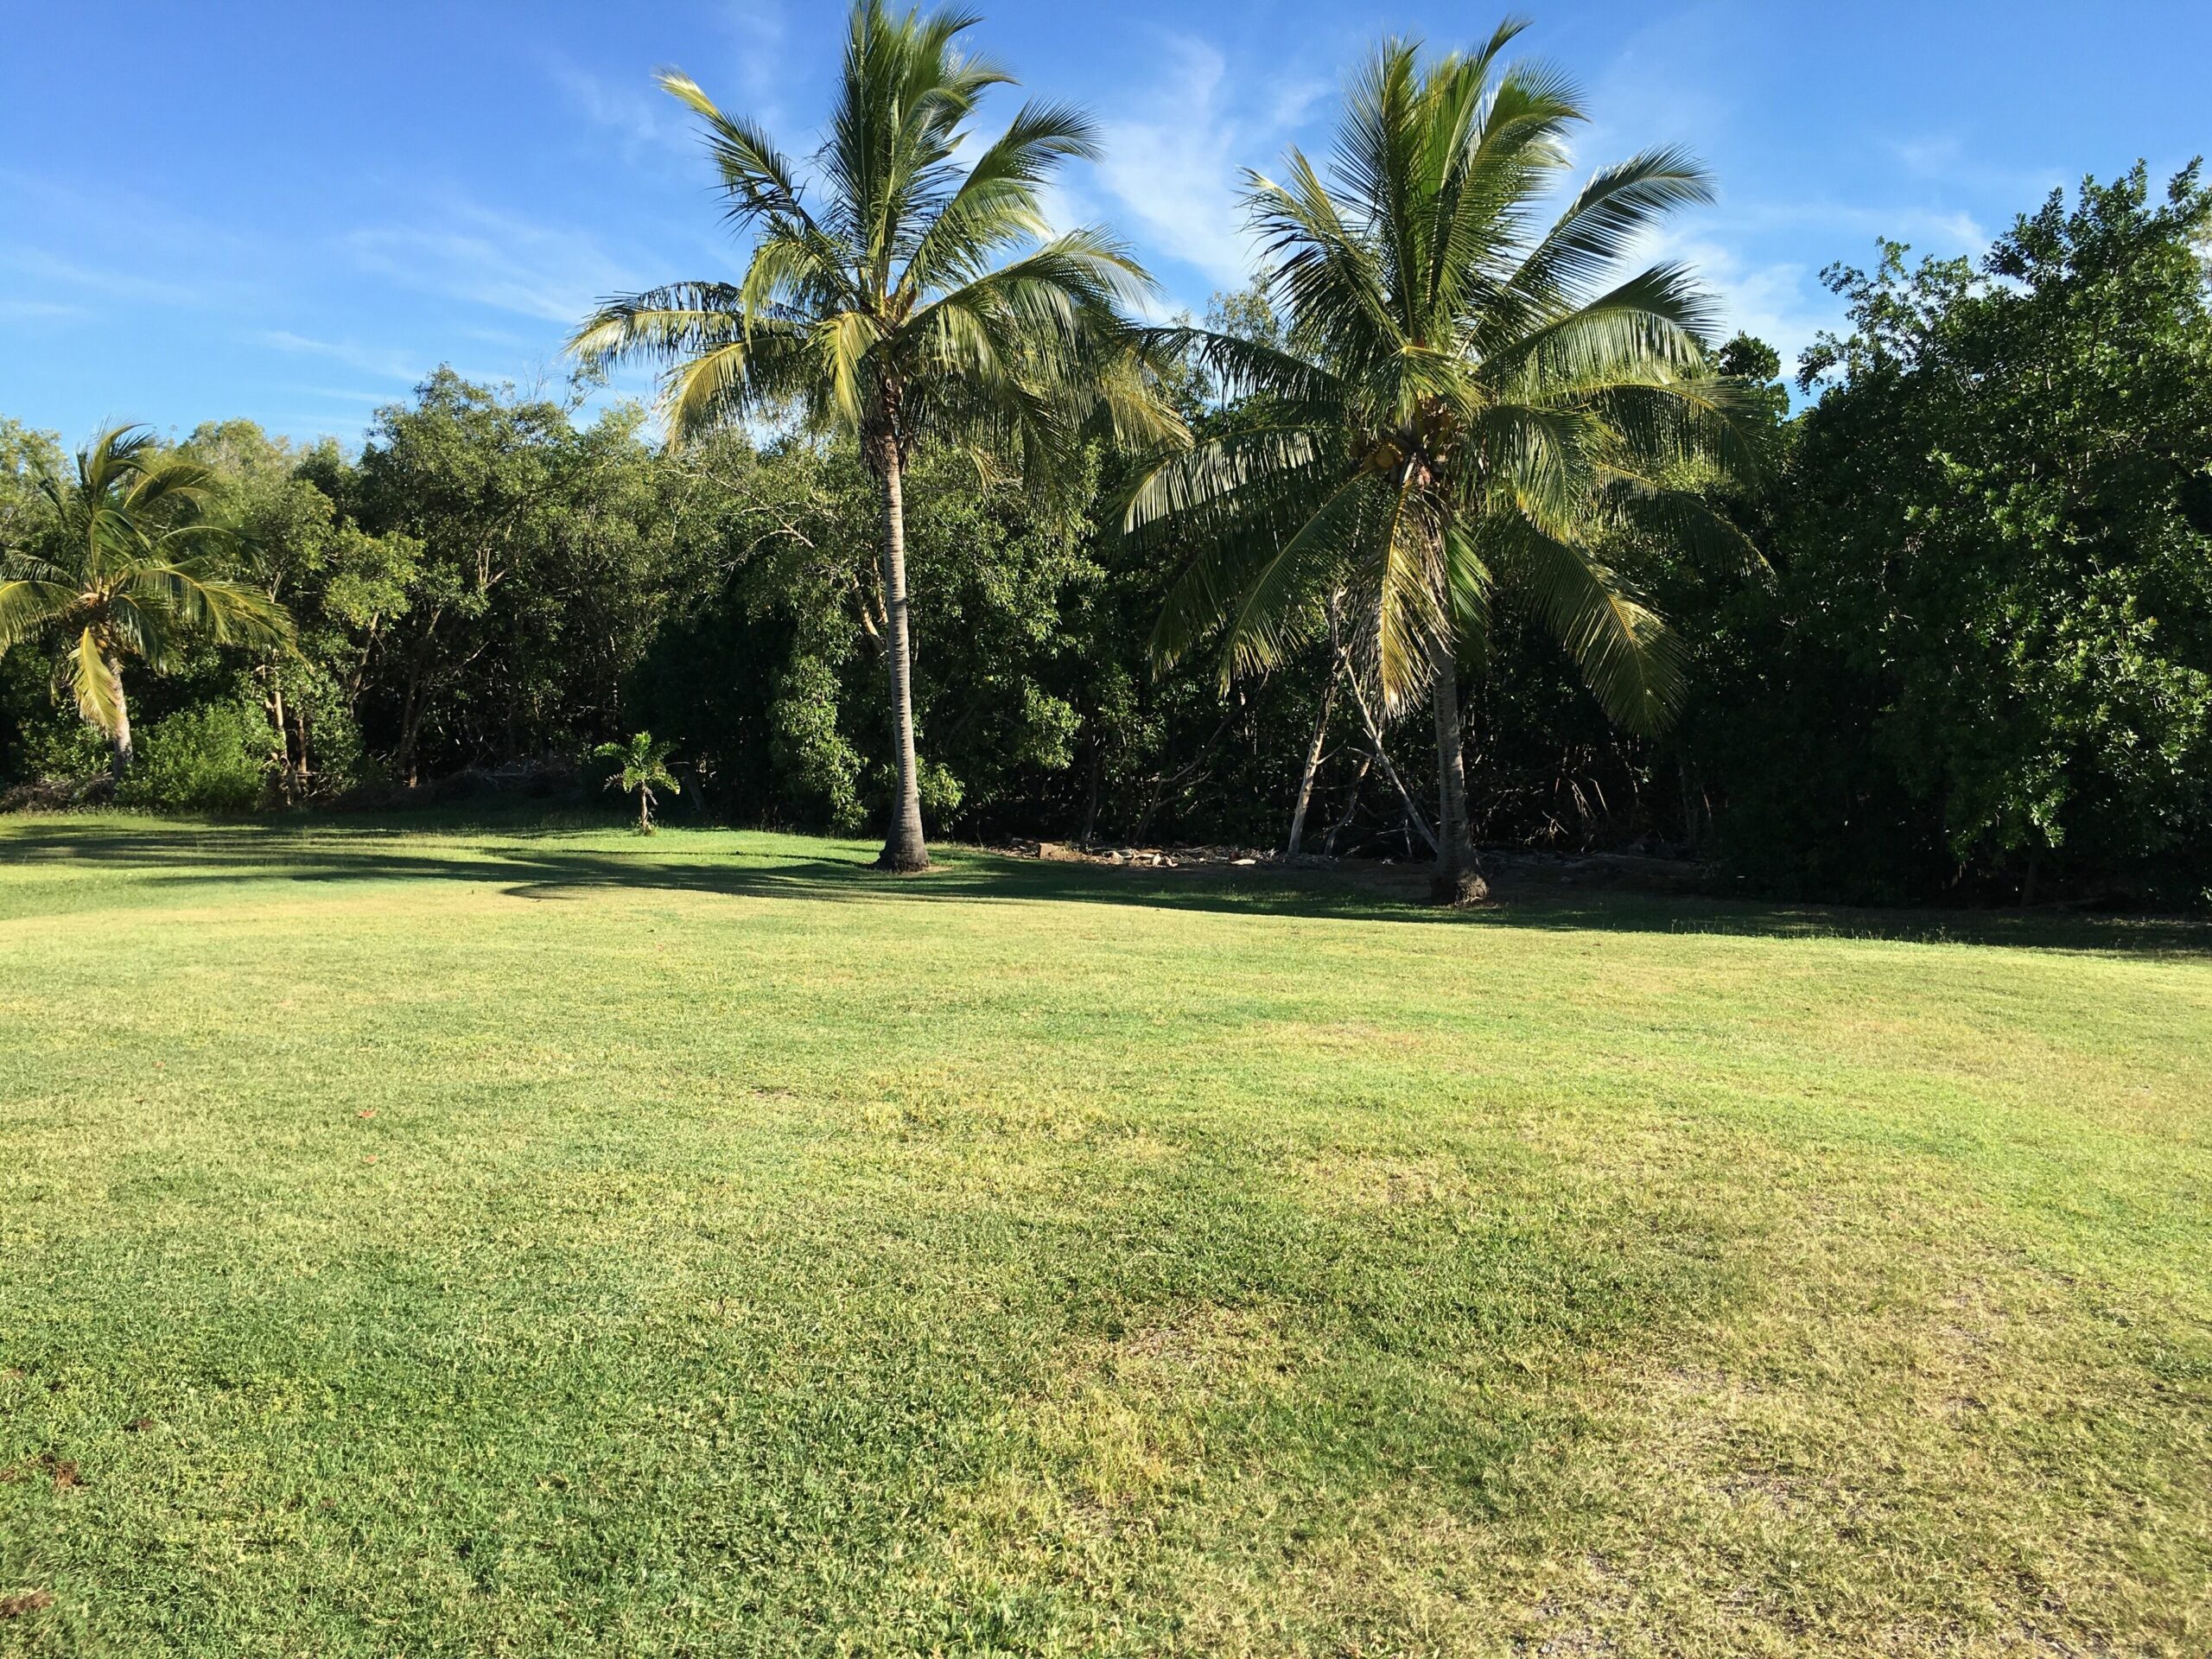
1998	533
1465	405
123	565
907	299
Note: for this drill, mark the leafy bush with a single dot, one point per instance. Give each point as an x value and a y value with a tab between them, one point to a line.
211	759
59	745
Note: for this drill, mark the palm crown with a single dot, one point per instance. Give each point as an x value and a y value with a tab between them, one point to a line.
639	767
124	566
881	313
642	763
915	301
1464	405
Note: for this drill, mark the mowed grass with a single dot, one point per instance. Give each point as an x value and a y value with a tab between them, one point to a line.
512	1242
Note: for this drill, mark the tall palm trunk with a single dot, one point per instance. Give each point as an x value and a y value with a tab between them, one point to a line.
903	848
120	737
1457	880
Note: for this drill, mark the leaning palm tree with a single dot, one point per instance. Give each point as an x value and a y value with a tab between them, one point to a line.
914	301
121	565
1464	409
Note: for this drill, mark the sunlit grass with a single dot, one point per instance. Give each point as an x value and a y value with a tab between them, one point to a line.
500	1241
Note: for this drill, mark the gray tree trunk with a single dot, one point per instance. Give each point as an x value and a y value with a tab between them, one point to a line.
1373	730
1312	763
1457	880
904	850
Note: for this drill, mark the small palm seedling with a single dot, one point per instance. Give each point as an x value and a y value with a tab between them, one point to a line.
639	767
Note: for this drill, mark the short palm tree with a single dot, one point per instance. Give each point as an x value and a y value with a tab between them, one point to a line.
916	301
121	566
1463	407
640	766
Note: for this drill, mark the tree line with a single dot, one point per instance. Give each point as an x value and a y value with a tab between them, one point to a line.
1449	530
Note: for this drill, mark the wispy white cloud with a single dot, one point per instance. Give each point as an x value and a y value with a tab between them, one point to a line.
1936	229
641	117
761	36
48	271
1750	247
349	397
1780	300
1945	160
394	366
1294	100
1173	167
15	310
490	258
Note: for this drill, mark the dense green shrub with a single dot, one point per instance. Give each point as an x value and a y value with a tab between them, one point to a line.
1986	666
212	758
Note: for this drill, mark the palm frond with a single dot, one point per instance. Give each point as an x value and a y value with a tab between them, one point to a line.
1216	481
996	206
758	178
204	602
659	323
1626	655
1410	594
83	670
1248	370
1277	605
29	606
1654	319
1601	223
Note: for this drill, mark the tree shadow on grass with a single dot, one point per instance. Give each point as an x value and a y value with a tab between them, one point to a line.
539	863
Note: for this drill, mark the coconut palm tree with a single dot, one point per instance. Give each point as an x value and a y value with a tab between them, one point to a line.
123	566
912	300
1463	407
640	767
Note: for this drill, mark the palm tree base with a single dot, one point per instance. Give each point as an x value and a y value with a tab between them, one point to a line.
901	863
1458	889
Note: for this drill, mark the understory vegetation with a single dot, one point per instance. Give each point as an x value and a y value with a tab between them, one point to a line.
1971	662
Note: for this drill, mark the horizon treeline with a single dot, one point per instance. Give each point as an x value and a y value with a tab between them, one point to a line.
1975	663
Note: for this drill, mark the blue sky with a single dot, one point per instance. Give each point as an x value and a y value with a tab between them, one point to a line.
293	213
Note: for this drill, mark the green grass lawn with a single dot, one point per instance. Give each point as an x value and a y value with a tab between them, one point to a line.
515	1242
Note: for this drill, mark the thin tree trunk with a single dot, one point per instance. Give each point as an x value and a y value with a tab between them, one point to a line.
1351	806
1456	880
1374	729
119	738
904	850
284	739
415	704
1312	763
1091	810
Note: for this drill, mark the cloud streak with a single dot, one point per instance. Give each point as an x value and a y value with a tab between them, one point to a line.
393	365
1173	165
496	260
